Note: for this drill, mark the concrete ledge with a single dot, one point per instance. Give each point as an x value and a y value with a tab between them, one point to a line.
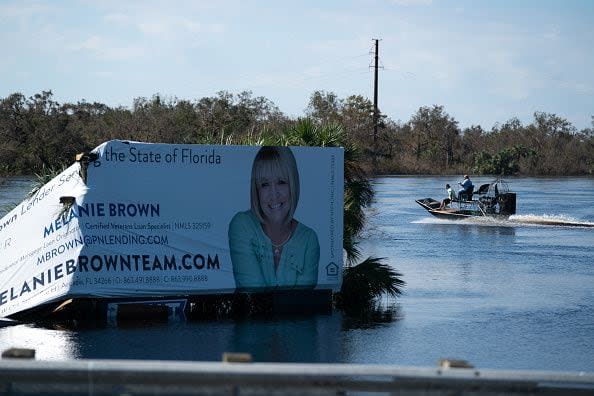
174	377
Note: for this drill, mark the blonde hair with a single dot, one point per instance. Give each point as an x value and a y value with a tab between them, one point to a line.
274	160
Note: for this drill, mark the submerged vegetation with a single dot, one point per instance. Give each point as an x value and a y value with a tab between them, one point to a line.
38	131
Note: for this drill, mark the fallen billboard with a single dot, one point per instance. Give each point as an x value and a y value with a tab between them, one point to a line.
141	219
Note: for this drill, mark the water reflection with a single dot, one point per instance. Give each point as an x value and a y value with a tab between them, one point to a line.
306	338
465	268
289	339
49	344
372	317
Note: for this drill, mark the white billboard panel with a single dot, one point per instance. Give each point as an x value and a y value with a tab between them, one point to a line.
163	220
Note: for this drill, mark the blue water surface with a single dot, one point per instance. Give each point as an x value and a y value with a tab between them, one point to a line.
504	294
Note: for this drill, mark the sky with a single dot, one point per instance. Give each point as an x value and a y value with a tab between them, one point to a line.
484	61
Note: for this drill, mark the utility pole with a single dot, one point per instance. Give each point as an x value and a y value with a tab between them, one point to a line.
375	108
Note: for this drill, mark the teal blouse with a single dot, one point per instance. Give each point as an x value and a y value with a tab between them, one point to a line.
253	264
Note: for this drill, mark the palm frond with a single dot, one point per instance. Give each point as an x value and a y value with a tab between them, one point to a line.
307	132
42	178
369	280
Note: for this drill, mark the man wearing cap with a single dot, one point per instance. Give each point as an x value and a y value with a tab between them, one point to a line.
466	186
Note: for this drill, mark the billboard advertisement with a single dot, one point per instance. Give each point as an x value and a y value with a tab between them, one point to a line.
145	220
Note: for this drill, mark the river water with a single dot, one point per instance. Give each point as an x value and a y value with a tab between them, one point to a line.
514	294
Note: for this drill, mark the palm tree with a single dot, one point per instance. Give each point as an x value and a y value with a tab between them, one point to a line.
362	283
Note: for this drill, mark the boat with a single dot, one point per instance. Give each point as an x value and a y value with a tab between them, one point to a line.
490	200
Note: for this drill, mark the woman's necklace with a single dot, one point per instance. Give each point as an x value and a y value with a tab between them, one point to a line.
277	248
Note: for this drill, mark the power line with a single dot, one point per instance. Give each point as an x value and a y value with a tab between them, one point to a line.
375	105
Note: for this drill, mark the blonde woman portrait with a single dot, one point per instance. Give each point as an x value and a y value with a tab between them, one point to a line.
269	247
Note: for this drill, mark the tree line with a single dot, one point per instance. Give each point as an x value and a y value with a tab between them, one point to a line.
38	132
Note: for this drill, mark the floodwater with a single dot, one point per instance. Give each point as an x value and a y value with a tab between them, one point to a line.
513	294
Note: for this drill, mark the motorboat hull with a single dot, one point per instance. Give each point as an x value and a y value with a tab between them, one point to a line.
432	206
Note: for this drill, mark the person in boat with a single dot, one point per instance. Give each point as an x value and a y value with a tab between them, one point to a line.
269	247
466	188
451	197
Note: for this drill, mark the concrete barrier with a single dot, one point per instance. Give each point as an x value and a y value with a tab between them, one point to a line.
132	377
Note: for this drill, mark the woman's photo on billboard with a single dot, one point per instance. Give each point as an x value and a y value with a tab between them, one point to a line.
269	247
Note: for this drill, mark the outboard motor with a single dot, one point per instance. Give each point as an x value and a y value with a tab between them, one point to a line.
507	204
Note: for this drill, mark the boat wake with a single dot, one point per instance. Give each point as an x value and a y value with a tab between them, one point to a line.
550	220
512	221
481	221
